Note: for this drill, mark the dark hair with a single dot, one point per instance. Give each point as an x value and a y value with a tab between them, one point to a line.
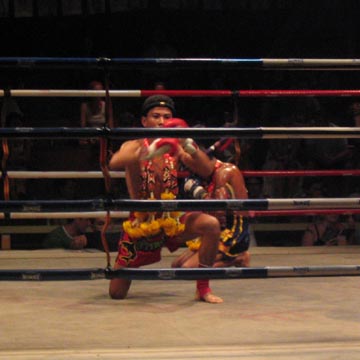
157	100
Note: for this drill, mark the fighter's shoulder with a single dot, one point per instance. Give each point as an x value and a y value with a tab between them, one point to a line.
225	166
131	144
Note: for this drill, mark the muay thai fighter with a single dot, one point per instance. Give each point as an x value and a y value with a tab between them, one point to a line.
151	173
226	182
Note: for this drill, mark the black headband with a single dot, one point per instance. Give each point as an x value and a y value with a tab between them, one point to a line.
155	101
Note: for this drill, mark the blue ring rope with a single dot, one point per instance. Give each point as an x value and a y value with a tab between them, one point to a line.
24	62
101	62
92	205
34	206
177	273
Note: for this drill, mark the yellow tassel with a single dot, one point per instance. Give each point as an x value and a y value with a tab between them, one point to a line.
194	244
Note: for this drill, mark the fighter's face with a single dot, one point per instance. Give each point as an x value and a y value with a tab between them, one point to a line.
156	117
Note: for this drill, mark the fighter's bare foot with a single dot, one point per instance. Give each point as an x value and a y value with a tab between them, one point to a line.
242	260
209	298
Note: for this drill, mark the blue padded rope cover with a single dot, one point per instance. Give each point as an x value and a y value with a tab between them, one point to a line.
178	273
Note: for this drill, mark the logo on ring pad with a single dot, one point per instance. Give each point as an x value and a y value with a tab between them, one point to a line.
166	274
33	208
301	202
33	276
167	206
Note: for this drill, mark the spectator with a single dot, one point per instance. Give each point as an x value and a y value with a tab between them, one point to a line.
326	230
94	237
282	156
69	236
92	114
92	111
159	85
255	186
328	153
19	150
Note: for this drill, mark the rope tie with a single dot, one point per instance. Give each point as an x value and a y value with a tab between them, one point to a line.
107	181
6	183
104	151
236	122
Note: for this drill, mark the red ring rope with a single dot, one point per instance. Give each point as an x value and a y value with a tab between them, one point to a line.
251	93
291	173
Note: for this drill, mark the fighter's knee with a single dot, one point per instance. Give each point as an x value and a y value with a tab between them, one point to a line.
117	295
212	225
118	291
186	265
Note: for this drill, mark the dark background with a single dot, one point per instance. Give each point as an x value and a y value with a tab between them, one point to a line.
175	28
240	28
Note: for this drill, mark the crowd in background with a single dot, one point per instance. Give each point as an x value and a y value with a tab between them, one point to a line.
283	154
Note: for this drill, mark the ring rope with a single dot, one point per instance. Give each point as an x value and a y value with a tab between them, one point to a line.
233	273
303	212
4	174
178	273
64	215
18	174
295	173
103	143
168	275
107	181
104	240
136	133
179	93
175	205
91	62
125	214
103	164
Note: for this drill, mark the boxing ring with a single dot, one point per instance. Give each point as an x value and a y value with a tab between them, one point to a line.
312	319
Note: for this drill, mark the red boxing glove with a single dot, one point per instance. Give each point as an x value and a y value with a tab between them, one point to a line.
176	122
162	146
188	144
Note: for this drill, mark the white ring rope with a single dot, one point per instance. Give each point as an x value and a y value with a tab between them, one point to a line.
94	205
76	93
311	62
62	174
65	215
313	203
70	93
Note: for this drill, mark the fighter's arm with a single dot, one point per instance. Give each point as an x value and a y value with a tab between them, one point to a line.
189	152
231	175
235	178
198	162
128	154
229	183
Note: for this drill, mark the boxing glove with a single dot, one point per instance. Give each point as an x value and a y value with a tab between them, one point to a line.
188	144
160	147
176	122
